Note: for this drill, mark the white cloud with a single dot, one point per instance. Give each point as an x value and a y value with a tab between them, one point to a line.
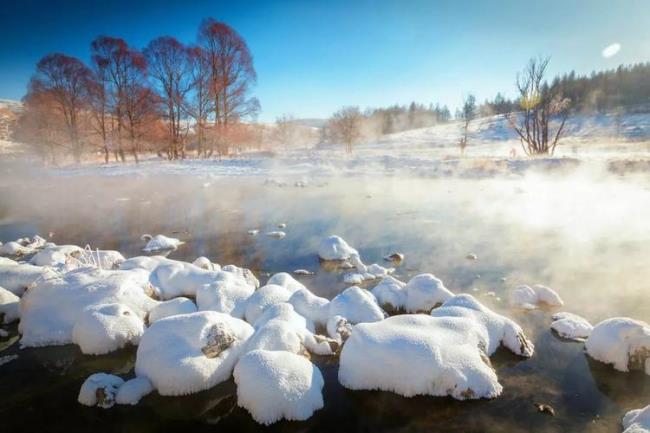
611	50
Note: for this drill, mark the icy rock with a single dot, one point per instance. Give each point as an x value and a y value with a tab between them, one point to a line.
287	281
310	306
390	293
263	298
50	310
622	342
357	305
8	306
571	326
529	298
103	328
394	257
442	354
637	421
132	391
160	243
229	294
335	248
100	390
205	263
19	277
191	352
276	385
173	307
424	292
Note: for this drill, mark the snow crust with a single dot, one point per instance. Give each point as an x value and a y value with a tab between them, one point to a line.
622	342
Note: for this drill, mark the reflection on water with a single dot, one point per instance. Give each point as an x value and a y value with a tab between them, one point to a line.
587	237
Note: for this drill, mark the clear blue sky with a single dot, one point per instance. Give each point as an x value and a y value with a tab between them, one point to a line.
315	56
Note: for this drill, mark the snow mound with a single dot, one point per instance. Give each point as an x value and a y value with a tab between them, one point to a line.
335	248
174	278
133	390
263	298
390	293
100	390
227	295
54	255
287	281
529	298
310	306
8	306
50	310
442	354
205	263
571	326
622	342
160	243
424	292
191	352
244	273
105	259
19	277
103	328
173	307
357	305
276	385
22	247
637	421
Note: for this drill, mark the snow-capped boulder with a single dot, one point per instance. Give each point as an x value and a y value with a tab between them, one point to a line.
357	305
229	294
310	306
335	248
22	247
50	310
8	306
637	421
19	277
571	326
424	292
529	298
442	354
263	298
205	263
244	273
390	293
100	390
148	263
105	259
54	255
175	278
173	307
160	243
276	385
287	281
622	342
191	352
132	391
339	328
103	328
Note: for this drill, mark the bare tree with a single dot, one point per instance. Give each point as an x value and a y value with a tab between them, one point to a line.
65	79
42	127
169	67
100	105
540	104
345	125
199	104
285	130
468	113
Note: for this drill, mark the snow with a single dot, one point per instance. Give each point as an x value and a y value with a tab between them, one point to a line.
244	273
53	255
8	306
189	353
132	391
100	390
174	278
277	234
424	292
50	310
310	306
263	298
22	247
160	243
622	342
357	305
442	354
277	385
103	328
205	263
227	295
287	281
529	298
335	248
390	293
173	307
637	421
571	326
19	277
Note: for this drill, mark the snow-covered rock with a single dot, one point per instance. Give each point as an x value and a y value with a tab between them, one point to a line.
276	385
637	421
229	294
106	259
8	306
529	298
276	234
263	298
191	352
424	292
22	247
174	278
173	307
103	328
50	309
335	248
442	354
54	255
390	293
19	277
287	281
622	342
160	243
205	263
357	305
571	326
148	263
100	390
244	273
310	306
132	391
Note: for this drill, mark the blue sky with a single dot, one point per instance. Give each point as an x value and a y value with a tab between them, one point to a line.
312	57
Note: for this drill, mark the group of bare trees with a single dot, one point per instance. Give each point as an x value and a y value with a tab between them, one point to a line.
168	93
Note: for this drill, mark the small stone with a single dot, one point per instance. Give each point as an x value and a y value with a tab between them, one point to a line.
471	257
545	408
394	257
